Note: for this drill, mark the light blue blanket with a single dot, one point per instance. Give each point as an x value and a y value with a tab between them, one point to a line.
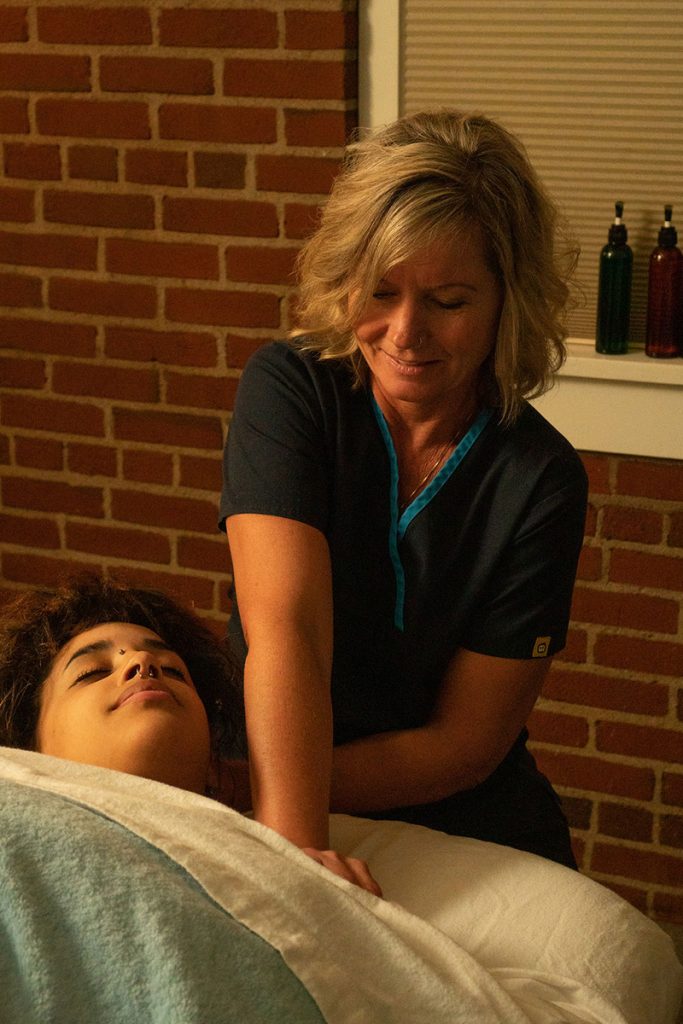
98	925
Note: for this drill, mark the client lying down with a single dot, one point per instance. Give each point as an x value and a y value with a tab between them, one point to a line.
128	895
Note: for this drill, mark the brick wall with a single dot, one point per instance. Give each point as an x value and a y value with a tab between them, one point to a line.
160	164
609	729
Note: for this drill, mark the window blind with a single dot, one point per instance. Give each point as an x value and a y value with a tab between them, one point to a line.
594	88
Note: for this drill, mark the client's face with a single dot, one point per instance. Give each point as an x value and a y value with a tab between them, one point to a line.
117	697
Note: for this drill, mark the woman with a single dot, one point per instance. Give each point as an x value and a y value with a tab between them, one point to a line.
404	528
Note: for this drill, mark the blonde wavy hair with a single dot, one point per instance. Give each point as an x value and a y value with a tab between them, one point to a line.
408	186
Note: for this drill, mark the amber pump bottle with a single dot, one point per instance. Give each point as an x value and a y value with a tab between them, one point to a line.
614	289
664	335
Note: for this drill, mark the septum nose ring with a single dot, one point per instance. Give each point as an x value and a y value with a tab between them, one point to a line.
149	674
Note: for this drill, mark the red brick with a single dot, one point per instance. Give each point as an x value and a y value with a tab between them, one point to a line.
89	118
147	467
38	453
209	123
295	173
48	336
171	348
101	25
625	822
22	373
53	496
118	542
633	524
156	167
168	428
101	380
238	349
13	24
595	774
162	259
590	563
186	514
111	298
200	553
290	79
639	655
321	30
40	571
260	264
186	76
598	469
93	163
645	865
91	459
14	116
221	217
70	252
651	478
579	811
671	830
672	789
16	204
600	691
318	127
201	473
220	170
99	209
52	414
31	160
219	29
643	741
637	611
20	290
28	531
675	538
192	591
44	72
643	569
590	527
231	309
301	219
200	391
561	730
576	647
668	906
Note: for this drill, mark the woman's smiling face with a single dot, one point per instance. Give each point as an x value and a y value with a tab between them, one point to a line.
430	325
118	697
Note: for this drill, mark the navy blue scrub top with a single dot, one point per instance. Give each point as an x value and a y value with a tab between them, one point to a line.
483	558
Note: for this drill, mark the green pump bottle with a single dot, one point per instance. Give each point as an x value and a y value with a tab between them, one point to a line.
614	289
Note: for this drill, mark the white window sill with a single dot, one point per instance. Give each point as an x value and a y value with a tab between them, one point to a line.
629	405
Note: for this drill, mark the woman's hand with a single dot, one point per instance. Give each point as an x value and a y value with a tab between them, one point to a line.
350	868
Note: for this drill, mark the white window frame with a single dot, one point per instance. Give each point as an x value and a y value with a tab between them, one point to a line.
629	404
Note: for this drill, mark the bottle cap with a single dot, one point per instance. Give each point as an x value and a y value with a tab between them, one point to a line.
617	232
668	236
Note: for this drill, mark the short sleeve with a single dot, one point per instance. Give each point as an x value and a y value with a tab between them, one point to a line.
525	612
275	460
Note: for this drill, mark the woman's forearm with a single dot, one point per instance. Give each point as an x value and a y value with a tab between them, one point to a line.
289	729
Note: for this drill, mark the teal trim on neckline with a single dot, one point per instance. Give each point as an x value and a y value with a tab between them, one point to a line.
399	525
399	573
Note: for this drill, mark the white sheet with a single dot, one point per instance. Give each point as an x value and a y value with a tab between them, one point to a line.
490	947
564	947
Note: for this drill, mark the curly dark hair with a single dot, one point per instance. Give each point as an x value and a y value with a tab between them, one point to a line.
36	625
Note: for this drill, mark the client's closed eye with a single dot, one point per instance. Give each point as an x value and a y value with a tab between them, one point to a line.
89	674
